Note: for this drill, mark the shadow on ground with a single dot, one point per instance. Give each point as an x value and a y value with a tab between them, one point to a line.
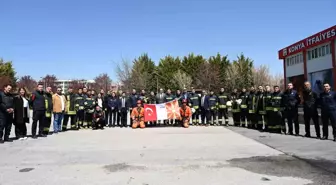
284	165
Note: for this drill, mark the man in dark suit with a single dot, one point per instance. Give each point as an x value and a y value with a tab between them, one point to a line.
205	109
123	109
160	97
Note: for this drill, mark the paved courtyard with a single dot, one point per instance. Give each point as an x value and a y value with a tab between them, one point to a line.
198	155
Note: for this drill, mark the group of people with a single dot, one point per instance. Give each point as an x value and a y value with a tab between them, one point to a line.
270	111
260	109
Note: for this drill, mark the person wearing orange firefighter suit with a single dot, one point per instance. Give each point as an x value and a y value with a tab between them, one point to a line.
138	116
185	113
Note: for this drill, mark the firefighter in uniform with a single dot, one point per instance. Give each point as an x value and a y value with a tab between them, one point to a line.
213	104
70	111
243	97
235	108
252	109
185	113
169	97
89	106
133	98
328	111
194	103
143	97
49	108
138	116
291	103
276	122
152	100
223	98
261	108
98	118
310	110
179	97
268	104
79	107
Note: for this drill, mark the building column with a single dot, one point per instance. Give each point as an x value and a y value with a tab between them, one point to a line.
284	67
304	53
333	60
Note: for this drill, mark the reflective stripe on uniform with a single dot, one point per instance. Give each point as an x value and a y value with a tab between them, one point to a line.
269	108
222	106
243	106
48	115
71	113
274	127
262	112
251	111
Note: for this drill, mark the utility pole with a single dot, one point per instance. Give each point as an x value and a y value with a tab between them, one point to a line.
157	84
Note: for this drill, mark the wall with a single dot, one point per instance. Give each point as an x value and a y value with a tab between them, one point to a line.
294	70
319	64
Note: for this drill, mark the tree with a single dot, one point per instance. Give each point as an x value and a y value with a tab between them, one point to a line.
143	73
261	75
76	84
124	73
103	81
7	73
27	82
243	67
215	72
277	79
168	66
182	80
233	79
191	64
49	81
208	76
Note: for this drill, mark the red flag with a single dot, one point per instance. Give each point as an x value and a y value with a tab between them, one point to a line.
150	112
173	109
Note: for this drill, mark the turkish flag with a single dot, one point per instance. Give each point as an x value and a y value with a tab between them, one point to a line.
150	112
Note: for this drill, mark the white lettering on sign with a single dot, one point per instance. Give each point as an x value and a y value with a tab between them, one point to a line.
296	47
310	41
321	37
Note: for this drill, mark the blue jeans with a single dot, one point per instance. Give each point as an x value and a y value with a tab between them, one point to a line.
58	117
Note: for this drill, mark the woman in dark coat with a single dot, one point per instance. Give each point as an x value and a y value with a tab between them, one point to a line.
21	114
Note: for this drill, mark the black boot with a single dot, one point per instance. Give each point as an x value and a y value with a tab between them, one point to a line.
324	138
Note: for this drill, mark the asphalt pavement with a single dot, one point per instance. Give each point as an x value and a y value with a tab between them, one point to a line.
165	155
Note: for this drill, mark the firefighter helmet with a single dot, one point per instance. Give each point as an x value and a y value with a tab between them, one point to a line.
184	101
139	102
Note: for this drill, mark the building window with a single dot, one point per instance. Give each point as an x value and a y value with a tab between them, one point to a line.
301	58
319	51
309	55
323	50
327	49
315	53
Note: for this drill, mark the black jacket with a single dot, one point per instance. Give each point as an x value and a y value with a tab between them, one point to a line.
291	99
20	113
6	102
310	99
38	101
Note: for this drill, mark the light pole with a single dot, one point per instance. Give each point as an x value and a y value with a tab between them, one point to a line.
44	82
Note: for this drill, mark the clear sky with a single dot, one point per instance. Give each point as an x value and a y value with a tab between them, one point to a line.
82	38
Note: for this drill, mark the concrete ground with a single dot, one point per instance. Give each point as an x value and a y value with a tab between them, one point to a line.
198	155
